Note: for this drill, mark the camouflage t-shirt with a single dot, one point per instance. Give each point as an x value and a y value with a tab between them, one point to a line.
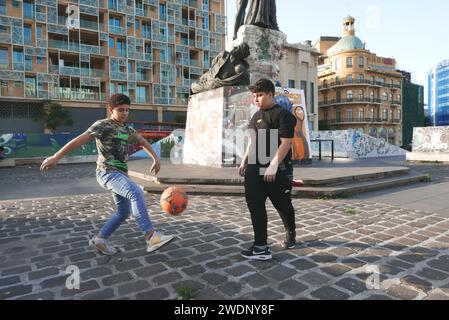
112	144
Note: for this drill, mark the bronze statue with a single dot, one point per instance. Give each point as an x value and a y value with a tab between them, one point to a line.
262	13
227	69
240	17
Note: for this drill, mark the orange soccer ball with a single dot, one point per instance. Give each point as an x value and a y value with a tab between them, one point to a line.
174	200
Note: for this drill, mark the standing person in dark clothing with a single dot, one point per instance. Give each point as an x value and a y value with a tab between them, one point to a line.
240	17
268	170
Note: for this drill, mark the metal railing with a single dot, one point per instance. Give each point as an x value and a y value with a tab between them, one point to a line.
349	101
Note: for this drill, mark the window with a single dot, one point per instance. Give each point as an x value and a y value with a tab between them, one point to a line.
361	95
30	86
349	78
39	32
373	80
3	7
28	10
137	25
39	60
337	64
206	23
384	114
112	88
27	34
349	95
121	48
4	61
291	83
121	88
349	62
15	3
399	115
391	98
115	22
384	96
312	97
162	11
361	62
325	99
349	114
361	114
28	63
337	80
141	94
371	95
399	98
338	97
338	115
304	87
17	56
111	43
362	78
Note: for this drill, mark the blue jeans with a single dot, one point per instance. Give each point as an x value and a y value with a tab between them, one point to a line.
127	197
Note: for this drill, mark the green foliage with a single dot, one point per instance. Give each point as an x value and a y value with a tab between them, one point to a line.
53	115
166	148
185	292
350	211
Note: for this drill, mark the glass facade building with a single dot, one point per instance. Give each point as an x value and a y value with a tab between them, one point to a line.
438	94
79	52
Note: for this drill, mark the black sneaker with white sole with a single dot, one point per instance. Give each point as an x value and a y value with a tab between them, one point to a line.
254	254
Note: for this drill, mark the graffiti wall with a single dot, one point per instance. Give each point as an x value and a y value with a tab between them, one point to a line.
32	145
430	144
354	145
204	129
294	101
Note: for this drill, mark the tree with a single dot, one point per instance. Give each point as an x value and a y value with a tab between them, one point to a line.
53	116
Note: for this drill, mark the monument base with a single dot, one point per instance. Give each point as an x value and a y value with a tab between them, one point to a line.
266	46
213	119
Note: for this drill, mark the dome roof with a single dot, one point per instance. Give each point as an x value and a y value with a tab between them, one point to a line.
346	43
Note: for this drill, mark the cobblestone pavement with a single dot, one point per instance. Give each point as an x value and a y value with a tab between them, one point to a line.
350	249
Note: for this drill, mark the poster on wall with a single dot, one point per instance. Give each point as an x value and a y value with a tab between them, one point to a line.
294	101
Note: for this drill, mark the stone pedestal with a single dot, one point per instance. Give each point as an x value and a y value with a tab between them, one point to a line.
213	118
430	144
266	47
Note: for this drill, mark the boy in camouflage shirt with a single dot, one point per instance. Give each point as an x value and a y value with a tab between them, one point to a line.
112	137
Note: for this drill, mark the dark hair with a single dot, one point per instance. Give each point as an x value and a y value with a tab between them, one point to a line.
118	99
263	85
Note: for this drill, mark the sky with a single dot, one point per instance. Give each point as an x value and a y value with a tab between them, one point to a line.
414	32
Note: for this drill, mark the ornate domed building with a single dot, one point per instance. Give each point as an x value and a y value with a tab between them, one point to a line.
358	89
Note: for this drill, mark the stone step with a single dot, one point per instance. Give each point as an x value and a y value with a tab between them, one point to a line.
326	178
297	192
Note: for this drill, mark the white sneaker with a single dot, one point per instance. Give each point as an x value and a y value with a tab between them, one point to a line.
102	246
157	240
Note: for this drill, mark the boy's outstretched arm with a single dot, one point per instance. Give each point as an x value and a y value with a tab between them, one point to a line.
52	161
149	149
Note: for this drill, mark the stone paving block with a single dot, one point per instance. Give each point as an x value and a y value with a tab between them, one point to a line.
213	278
280	273
219	264
418	283
155	258
194	270
117	278
203	257
181	253
208	294
402	292
97	272
378	297
150	271
14	291
230	288
292	287
303	264
54	249
336	270
239	270
442	263
59	281
432	274
90	285
353	285
227	251
9	281
412	257
255	280
133	287
155	294
329	293
323	258
227	242
268	293
44	273
167	278
314	278
127	265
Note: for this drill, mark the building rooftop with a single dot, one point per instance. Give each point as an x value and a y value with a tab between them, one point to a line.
346	43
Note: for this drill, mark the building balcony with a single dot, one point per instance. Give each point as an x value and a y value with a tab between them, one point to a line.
349	101
79	95
355	82
5	38
117	30
395	103
94	73
18	66
353	120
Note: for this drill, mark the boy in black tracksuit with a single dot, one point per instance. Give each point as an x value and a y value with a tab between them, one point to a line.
268	171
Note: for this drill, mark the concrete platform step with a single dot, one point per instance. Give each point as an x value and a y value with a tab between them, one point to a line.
312	177
297	192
